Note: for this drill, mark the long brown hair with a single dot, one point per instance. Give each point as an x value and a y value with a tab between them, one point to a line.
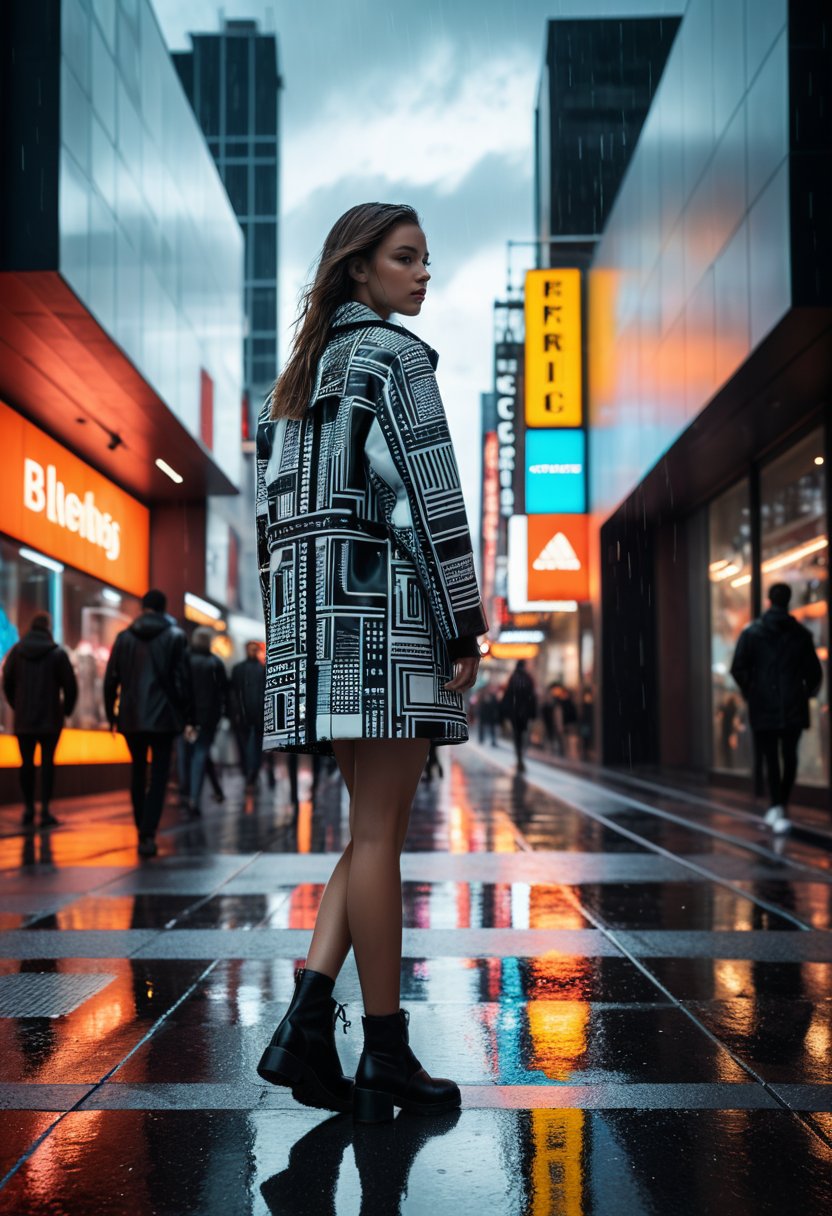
358	233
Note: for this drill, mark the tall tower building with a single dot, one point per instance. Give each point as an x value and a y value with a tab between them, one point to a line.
233	82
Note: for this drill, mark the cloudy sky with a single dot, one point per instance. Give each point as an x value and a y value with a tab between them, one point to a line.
428	102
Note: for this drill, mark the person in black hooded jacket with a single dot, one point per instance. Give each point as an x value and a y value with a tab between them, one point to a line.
777	672
148	697
40	686
210	684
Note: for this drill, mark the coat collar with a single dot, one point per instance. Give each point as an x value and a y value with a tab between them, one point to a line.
353	311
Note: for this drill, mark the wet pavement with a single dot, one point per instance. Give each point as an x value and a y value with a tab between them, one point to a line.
632	987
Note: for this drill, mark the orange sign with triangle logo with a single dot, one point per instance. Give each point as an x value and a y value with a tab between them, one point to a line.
558	557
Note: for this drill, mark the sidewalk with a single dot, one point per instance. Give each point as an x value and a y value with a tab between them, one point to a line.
625	998
811	821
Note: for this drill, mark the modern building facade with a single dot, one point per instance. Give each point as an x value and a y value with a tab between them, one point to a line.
121	322
597	82
709	335
233	82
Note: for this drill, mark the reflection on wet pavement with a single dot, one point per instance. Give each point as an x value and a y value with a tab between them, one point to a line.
603	1071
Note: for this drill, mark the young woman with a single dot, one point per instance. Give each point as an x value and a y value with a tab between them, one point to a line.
372	616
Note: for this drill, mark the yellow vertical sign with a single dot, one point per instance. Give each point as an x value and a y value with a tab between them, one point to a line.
554	395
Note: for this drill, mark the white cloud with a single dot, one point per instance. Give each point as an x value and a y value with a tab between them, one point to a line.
430	128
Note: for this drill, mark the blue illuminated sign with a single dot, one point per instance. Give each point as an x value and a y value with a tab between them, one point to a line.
555	472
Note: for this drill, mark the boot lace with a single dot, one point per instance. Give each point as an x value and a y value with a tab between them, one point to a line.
341	1012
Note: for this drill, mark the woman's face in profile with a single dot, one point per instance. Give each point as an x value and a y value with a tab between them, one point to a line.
395	279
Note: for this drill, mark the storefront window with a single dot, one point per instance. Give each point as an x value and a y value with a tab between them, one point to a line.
730	578
25	589
92	616
795	550
86	617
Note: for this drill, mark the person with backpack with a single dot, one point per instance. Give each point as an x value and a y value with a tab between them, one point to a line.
148	698
40	686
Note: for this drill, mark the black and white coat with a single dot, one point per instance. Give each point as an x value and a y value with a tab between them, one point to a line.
366	568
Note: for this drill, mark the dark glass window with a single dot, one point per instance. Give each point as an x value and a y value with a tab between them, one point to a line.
236	86
795	550
207	84
236	183
265	189
264	251
265	87
263	309
263	370
236	149
730	578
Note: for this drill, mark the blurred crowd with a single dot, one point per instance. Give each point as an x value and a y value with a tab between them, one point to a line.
559	719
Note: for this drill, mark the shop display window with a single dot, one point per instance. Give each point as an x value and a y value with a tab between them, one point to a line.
795	550
731	587
92	616
86	617
26	588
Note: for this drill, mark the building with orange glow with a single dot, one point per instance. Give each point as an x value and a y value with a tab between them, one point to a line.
708	318
121	322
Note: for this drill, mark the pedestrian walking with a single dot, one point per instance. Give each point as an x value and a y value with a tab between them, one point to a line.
373	615
210	690
40	686
433	762
519	705
246	699
488	714
777	671
548	714
148	698
586	722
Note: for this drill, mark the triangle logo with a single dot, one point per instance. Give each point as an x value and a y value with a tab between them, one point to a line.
557	554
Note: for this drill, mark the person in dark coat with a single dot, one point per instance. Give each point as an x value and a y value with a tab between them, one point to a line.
519	705
488	714
40	686
210	685
777	671
246	702
148	697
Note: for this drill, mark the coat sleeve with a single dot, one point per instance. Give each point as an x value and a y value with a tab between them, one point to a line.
741	666
112	681
69	684
183	683
265	440
413	467
814	671
10	676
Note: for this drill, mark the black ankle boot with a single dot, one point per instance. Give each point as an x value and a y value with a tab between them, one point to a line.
389	1075
302	1053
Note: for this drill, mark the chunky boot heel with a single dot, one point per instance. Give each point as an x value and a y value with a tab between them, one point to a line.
279	1067
389	1075
302	1053
371	1106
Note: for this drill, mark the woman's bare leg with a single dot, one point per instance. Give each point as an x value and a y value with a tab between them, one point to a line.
331	939
386	776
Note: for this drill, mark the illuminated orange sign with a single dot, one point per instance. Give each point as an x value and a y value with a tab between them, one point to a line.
554	394
56	503
514	650
557	556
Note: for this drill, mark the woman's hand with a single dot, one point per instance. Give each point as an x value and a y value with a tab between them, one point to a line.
465	674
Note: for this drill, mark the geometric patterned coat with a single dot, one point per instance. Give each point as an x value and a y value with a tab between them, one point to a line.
365	560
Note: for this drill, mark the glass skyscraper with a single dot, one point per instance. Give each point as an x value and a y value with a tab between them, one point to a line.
233	82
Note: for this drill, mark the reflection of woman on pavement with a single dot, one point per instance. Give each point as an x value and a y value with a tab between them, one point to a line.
372	613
